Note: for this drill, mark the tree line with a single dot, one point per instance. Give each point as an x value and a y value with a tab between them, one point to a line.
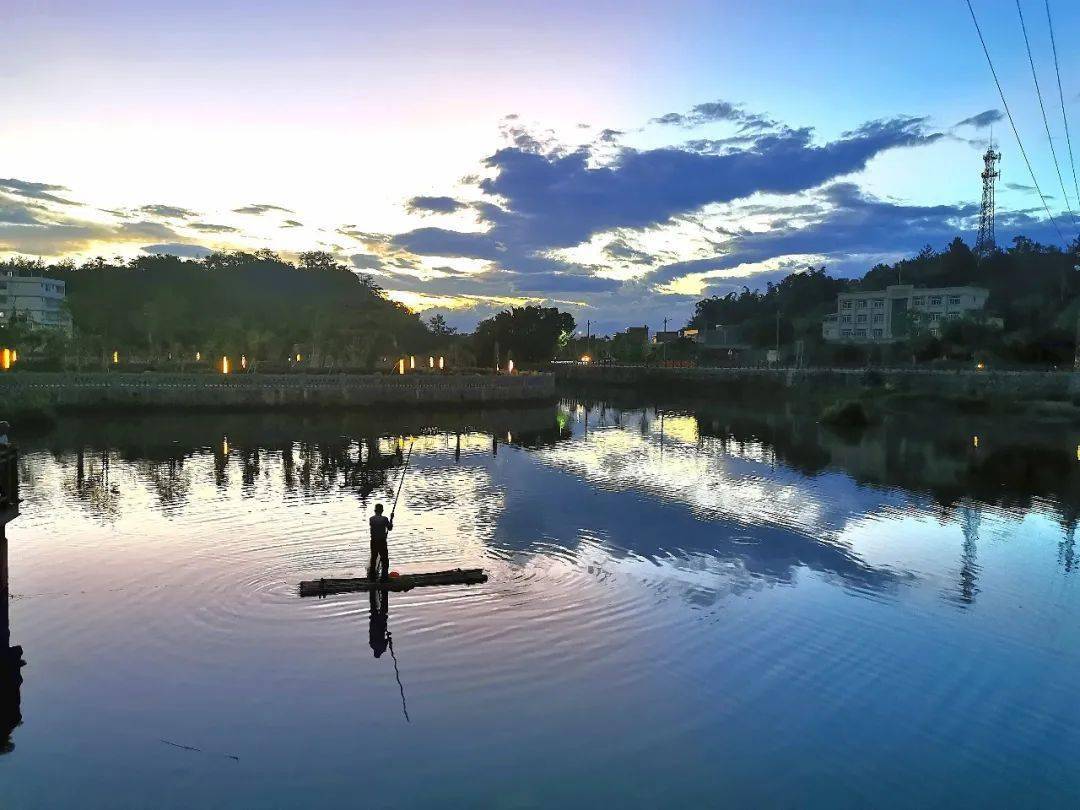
163	310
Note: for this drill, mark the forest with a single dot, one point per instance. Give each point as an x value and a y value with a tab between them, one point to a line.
1034	291
162	311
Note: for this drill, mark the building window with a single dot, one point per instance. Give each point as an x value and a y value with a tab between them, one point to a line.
846	318
879	317
879	333
918	301
845	305
861	305
935	300
860	333
879	303
954	300
845	333
860	318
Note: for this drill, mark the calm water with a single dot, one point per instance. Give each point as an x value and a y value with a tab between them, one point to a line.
687	607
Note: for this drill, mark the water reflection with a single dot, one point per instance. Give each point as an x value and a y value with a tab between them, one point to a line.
798	573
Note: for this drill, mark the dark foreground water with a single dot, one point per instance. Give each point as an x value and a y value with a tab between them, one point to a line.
687	607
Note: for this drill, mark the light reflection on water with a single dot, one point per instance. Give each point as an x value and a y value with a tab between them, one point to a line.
700	605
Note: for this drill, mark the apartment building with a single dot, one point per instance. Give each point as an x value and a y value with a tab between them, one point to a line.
37	299
886	315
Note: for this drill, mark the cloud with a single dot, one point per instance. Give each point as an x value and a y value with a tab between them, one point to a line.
60	235
17	212
714	111
167	211
983	120
620	251
562	199
434	205
35	191
365	261
292	223
178	249
207	227
848	226
260	208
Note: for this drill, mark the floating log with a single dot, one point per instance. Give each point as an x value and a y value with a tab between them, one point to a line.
405	582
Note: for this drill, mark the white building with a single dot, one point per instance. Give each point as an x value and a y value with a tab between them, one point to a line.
37	299
888	315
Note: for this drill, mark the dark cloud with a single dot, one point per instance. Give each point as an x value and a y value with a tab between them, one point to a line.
1019	187
35	191
63	235
365	261
17	212
982	120
207	227
610	135
168	211
714	111
559	200
434	205
619	250
261	208
292	223
178	249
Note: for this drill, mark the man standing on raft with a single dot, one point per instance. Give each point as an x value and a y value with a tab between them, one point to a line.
380	526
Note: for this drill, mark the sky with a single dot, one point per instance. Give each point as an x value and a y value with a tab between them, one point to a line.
620	160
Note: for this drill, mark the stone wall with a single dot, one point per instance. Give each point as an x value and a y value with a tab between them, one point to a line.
62	391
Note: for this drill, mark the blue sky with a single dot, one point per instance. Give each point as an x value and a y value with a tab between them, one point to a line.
618	159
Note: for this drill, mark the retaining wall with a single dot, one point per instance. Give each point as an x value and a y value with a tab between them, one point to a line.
64	391
952	382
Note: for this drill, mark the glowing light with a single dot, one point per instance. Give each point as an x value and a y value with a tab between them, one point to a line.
431	362
509	366
225	445
224	365
401	366
116	357
243	361
198	356
440	364
5	363
975	441
297	357
412	361
586	359
14	355
1078	452
980	365
509	437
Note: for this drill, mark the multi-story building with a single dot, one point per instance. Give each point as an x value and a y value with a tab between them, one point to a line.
36	299
887	315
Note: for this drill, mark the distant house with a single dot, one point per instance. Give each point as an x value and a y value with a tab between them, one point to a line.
672	336
638	334
722	337
35	299
887	315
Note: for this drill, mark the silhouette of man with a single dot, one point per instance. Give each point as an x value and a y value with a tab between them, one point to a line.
380	610
380	526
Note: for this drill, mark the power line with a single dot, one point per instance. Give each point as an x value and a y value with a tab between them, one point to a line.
1042	109
1061	97
1012	122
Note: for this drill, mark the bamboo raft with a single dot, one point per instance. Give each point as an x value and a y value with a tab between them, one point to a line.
405	582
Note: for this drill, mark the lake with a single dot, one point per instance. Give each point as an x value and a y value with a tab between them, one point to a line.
688	605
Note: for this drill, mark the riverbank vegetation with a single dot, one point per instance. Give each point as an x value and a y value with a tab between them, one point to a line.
164	311
1030	317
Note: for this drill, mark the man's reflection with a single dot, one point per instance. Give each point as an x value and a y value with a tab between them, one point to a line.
377	632
379	637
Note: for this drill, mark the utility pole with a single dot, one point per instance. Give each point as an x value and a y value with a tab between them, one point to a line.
665	343
588	338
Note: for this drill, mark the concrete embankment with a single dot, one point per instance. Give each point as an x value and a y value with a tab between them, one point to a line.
963	383
27	391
